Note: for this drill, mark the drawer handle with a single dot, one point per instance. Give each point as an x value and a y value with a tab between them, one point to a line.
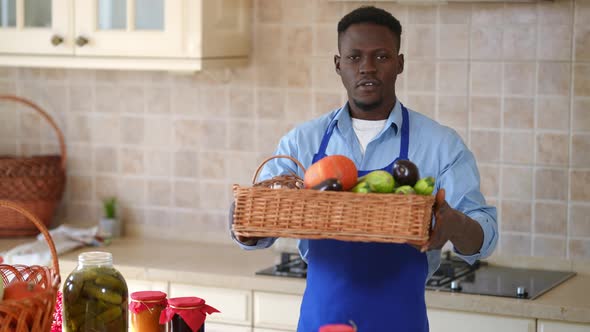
56	40
81	41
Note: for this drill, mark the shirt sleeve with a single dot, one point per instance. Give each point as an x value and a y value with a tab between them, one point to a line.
460	179
272	168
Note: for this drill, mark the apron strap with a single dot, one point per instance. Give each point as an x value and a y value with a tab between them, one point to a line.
405	143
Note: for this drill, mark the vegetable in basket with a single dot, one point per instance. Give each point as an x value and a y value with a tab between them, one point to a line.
331	167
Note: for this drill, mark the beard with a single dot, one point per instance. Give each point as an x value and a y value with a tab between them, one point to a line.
367	107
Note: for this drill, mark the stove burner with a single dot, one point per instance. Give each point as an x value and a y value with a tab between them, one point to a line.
451	268
291	265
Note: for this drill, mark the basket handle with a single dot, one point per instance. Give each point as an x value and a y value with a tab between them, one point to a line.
40	227
274	157
49	119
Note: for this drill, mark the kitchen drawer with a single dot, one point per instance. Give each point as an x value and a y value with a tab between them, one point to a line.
234	304
218	327
457	321
553	326
276	311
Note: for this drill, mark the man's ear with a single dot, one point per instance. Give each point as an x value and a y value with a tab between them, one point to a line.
337	63
400	67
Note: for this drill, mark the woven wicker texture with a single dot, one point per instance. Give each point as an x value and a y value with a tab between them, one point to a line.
33	314
37	182
265	212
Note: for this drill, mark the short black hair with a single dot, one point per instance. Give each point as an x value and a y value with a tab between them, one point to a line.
371	14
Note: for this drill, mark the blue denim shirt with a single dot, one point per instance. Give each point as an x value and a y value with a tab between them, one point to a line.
437	150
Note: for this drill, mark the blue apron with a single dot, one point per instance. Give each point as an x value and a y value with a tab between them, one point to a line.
378	286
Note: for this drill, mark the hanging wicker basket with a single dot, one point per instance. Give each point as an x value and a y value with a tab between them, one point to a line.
280	208
36	183
35	313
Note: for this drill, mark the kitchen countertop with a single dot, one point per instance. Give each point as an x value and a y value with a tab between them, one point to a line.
228	266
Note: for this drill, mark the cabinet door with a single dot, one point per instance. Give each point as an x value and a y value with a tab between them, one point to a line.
217	327
234	304
130	28
553	326
36	26
276	311
446	320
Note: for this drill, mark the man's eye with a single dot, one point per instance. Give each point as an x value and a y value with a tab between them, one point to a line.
353	57
382	57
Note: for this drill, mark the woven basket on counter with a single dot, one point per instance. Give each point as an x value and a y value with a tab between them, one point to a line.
280	208
34	313
36	183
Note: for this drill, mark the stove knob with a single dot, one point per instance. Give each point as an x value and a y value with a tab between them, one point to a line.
456	286
521	292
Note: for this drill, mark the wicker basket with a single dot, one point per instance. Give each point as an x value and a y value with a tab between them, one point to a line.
268	211
36	183
33	314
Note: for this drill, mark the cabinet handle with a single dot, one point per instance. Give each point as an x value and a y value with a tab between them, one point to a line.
81	41
56	40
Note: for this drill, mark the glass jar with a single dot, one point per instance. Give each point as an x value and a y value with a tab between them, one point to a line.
145	309
337	328
95	296
186	314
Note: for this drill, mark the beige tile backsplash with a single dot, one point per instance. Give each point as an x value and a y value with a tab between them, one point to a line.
512	79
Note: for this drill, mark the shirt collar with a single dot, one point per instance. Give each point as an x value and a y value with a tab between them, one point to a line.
344	122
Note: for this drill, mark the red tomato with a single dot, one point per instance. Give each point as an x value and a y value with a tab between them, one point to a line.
21	290
332	167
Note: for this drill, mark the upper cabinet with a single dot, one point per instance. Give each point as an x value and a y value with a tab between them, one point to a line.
183	35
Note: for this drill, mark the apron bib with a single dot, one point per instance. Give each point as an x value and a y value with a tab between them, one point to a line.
378	286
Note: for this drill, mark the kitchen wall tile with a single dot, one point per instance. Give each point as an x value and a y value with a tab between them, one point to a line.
80	158
241	135
8	87
453	41
132	130
268	135
81	213
486	42
185	99
490	180
520	13
554	113
214	102
187	133
486	78
486	14
580	185
186	164
518	147
30	149
297	11
555	12
324	75
424	41
581	114
326	12
106	159
519	113
582	42
159	192
555	42
452	78
582	80
269	11
485	112
271	104
579	248
30	126
485	145
455	13
109	99
106	187
515	244
519	78
421	76
8	148
217	196
79	188
7	73
549	247
299	106
158	131
158	100
551	218
248	164
422	14
552	149
554	78
186	193
158	163
132	161
77	128
516	216
517	183
519	41
452	111
241	103
581	150
131	191
213	165
551	184
131	99
298	73
266	74
81	98
105	129
326	102
424	104
325	40
213	134
579	220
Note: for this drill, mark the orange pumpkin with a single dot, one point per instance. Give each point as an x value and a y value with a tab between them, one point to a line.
21	290
332	167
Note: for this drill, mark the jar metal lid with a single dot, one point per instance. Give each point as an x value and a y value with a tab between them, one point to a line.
144	296
337	328
186	302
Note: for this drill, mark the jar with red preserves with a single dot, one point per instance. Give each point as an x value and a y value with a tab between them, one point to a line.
186	314
145	309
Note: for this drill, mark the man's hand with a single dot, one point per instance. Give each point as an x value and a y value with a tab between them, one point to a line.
451	225
249	241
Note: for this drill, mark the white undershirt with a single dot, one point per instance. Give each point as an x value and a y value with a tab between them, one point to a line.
366	130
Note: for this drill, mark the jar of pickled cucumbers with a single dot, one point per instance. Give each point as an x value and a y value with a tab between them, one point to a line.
95	296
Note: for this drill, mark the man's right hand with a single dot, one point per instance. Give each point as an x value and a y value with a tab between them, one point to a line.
249	241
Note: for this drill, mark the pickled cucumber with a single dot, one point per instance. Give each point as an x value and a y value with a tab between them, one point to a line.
95	299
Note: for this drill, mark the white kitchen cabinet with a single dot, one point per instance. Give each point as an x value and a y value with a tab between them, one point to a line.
555	326
447	320
216	327
234	304
134	285
276	311
177	35
268	330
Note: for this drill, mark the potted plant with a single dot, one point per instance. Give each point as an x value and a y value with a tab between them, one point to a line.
110	226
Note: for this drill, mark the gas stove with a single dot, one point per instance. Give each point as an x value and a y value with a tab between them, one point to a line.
455	275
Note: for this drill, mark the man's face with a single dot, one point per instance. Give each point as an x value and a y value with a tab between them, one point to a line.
368	65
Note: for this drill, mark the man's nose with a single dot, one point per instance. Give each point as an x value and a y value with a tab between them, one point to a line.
367	65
